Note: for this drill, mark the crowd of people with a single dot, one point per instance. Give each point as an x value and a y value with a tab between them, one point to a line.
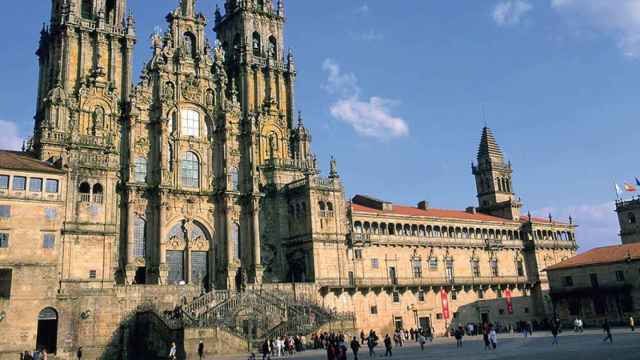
39	354
283	346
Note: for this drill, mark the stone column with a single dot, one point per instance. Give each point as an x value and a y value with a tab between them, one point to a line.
130	265
257	260
163	271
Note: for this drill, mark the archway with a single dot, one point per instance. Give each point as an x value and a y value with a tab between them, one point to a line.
47	337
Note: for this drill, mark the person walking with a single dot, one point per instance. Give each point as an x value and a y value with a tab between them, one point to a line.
388	346
458	333
607	330
632	324
493	338
355	347
371	344
554	331
201	350
172	351
421	340
79	353
266	349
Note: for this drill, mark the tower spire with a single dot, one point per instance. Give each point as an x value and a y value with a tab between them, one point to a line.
489	148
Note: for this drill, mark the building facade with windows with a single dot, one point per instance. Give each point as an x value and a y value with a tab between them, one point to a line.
201	177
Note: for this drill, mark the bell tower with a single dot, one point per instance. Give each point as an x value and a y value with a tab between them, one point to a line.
85	59
494	180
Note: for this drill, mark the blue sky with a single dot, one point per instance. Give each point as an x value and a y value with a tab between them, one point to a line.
396	92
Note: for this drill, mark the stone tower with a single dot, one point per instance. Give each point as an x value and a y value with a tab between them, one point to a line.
494	180
85	58
629	219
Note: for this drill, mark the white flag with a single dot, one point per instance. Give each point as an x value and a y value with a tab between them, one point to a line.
618	190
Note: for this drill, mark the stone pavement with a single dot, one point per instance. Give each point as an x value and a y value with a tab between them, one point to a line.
584	346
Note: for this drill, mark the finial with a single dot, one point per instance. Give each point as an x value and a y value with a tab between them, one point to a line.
218	14
300	120
550	218
570	220
529	215
281	8
333	169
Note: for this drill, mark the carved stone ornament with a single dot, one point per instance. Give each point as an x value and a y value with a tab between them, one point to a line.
200	244
175	243
140	262
191	89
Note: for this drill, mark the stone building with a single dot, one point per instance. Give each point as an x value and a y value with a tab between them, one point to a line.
197	186
629	217
599	284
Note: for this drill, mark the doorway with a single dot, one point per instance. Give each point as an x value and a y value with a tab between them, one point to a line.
393	277
425	323
485	318
47	337
398	323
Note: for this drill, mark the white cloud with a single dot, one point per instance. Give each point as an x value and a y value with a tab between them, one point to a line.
619	19
511	12
370	118
369	35
10	138
363	9
597	224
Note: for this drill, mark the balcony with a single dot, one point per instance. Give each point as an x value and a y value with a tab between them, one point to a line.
437	281
28	195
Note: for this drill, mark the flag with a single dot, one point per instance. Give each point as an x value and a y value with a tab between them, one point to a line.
629	187
637	181
618	190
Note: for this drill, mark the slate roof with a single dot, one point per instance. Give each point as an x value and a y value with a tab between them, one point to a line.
22	161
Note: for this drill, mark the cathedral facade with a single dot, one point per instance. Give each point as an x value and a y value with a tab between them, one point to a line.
201	178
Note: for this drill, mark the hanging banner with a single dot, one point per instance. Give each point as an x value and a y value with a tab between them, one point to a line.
507	294
445	304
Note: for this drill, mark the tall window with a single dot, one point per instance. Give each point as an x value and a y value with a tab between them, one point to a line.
139	237
257	45
234	178
35	184
110	10
190	170
235	240
175	262
494	267
141	170
260	5
5	283
48	241
520	267
273	48
5	211
86	9
19	183
449	269
190	123
433	264
416	264
4	182
4	240
475	267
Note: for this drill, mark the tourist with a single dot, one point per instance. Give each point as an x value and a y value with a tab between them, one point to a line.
388	346
493	337
26	356
36	355
331	351
362	337
44	354
607	330
632	324
421	341
79	353
201	350
172	351
355	347
266	349
372	342
485	336
555	330
458	333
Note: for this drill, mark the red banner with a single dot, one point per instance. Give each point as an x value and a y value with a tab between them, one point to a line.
507	293
445	304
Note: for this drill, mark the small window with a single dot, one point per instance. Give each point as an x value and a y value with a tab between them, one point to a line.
5	283
52	186
568	281
480	294
19	183
35	184
50	213
141	170
48	241
631	218
421	296
417	268
93	274
4	182
375	263
374	310
501	311
433	264
439	316
396	297
190	170
499	293
455	315
358	254
620	275
454	295
526	310
4	240
594	280
235	179
5	211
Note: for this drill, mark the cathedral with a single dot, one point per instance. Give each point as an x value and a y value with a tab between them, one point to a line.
197	188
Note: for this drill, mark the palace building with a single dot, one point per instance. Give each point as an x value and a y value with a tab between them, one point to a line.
197	187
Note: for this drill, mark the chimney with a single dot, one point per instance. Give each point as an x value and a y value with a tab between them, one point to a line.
471	210
423	205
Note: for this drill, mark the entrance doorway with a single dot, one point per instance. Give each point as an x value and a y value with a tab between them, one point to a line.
398	323
485	318
47	337
393	277
425	323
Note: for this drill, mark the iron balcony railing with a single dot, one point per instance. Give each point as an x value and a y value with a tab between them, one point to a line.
422	281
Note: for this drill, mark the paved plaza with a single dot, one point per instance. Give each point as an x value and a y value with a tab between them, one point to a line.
586	346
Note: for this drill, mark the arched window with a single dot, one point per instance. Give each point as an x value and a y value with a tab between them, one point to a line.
86	9
110	10
190	123
260	5
170	156
234	179
189	44
140	170
494	267
97	196
85	192
190	170
322	206
329	206
235	240
273	48
631	218
139	237
257	45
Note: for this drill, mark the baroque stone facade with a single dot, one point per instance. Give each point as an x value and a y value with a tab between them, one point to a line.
201	177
